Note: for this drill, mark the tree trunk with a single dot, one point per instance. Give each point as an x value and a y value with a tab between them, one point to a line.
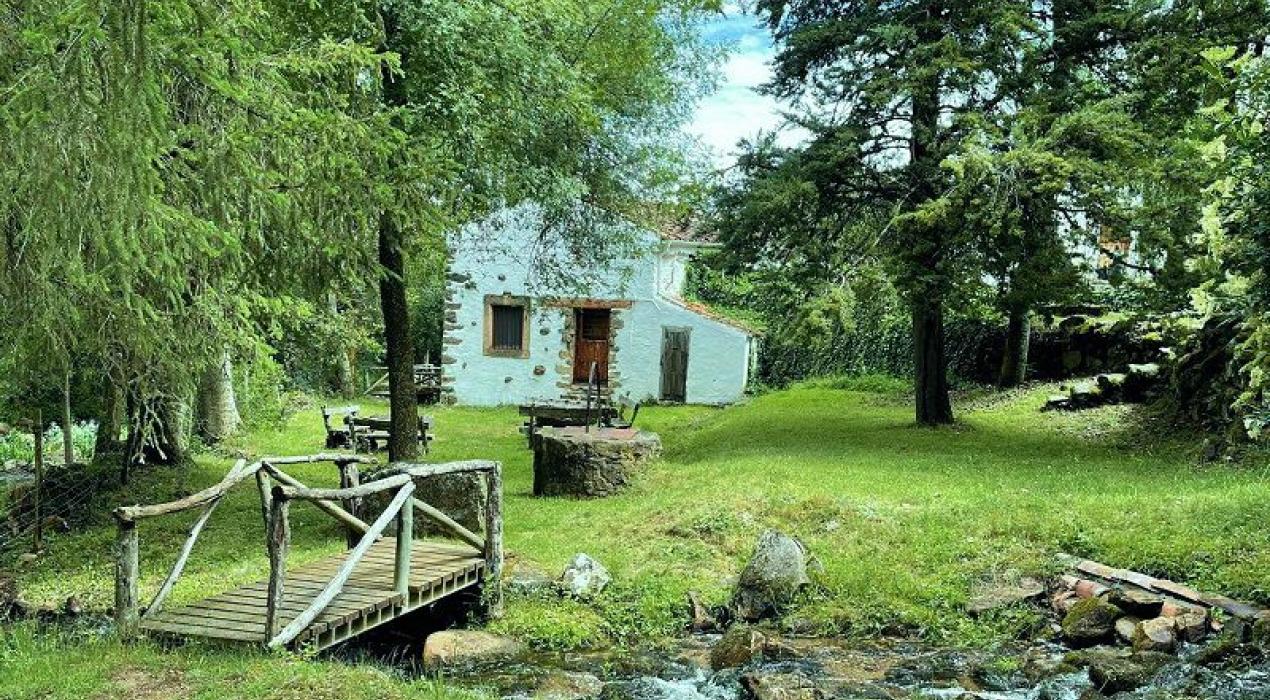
1018	334
399	348
930	362
343	357
218	416
68	421
109	422
933	405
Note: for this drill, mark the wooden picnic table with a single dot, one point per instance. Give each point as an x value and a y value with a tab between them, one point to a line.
370	431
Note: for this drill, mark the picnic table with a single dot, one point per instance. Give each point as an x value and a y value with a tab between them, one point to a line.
369	432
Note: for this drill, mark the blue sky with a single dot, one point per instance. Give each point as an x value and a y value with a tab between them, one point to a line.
736	110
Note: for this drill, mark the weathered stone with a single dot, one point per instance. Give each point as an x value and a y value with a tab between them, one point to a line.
72	607
525	578
1027	590
1111	385
1141	382
465	647
1191	626
1057	402
584	577
740	645
1090	589
779	686
1127	628
1090	621
1259	634
775	574
1135	601
700	619
601	462
1062	601
1115	671
565	685
1086	394
1155	635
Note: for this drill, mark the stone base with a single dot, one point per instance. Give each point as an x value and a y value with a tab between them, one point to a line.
573	462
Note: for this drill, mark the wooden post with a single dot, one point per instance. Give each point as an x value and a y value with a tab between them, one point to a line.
350	476
266	498
68	442
126	573
493	592
405	543
38	433
279	543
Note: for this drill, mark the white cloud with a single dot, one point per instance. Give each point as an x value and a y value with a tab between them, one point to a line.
736	110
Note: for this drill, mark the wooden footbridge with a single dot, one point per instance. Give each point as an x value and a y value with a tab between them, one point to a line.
378	580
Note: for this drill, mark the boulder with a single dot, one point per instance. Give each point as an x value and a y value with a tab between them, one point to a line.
1259	634
1141	382
775	574
740	645
1191	626
1112	670
1085	394
1135	601
72	607
466	647
986	599
779	686
584	577
1090	621
567	685
1057	402
1127	628
1112	386
1156	634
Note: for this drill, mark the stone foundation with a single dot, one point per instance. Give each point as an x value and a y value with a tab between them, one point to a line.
572	462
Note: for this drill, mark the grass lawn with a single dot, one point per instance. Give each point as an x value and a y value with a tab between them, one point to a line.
904	520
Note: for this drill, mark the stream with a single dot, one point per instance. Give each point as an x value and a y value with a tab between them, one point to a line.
825	669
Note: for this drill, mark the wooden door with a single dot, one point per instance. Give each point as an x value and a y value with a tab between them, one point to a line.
674	364
591	344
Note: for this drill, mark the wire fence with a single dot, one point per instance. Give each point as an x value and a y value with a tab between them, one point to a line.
40	492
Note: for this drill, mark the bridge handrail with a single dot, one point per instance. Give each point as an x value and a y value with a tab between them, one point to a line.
274	501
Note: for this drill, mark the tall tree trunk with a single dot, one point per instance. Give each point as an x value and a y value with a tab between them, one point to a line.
399	349
218	416
1018	335
109	422
68	421
930	361
344	382
169	439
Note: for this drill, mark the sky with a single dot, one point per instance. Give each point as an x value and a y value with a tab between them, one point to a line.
735	110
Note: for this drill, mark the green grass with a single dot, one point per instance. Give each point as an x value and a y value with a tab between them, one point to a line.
905	521
64	665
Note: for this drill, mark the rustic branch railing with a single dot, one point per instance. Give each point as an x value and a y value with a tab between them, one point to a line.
275	501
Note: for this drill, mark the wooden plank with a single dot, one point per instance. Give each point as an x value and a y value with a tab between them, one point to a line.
187	630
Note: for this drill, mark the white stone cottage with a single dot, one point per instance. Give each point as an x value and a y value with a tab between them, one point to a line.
528	310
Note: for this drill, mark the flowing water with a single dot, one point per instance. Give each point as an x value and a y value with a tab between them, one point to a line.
826	669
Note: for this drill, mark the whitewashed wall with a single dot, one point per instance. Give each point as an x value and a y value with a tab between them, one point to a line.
503	255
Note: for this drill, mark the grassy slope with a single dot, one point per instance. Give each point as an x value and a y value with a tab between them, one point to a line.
903	519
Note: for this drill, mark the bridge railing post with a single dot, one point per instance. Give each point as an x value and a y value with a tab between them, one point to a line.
279	541
493	550
127	565
405	545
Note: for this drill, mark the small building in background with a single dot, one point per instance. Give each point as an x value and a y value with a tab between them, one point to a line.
533	303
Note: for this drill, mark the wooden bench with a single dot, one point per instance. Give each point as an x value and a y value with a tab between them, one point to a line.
337	436
371	433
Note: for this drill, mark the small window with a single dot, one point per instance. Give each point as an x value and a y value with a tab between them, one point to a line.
509	326
506	326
